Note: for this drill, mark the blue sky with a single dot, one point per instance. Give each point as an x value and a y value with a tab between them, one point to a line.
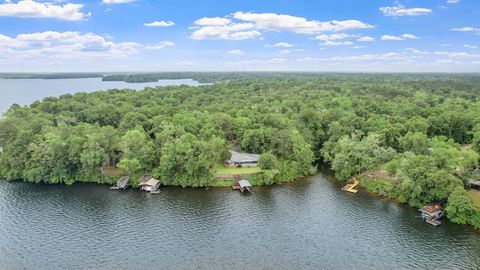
240	35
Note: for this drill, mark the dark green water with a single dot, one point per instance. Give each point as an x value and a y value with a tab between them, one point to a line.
309	224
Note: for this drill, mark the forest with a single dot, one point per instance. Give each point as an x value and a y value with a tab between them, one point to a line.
420	133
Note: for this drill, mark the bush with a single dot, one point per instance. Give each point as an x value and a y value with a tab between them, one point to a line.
460	208
267	161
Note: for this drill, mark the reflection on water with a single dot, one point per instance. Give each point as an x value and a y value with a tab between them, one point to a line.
309	224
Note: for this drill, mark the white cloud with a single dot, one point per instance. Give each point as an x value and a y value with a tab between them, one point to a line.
415	51
33	9
447	61
249	25
325	37
159	24
66	45
117	1
216	21
160	45
245	35
284	52
236	52
336	43
288	23
402	11
214	28
282	44
371	57
466	29
256	62
184	63
470	46
400	37
457	54
366	39
453	1
445	45
311	59
9	42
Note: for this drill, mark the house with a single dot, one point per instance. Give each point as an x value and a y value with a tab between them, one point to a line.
242	159
432	213
149	184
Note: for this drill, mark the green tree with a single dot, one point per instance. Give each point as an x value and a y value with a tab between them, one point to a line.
136	145
460	208
268	161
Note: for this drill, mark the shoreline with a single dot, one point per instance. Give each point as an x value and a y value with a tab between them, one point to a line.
328	177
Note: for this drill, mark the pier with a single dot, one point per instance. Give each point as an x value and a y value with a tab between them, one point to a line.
351	187
122	183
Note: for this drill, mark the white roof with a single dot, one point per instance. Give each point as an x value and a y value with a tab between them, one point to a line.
244	183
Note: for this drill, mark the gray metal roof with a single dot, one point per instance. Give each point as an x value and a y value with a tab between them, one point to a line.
243	157
474	182
244	183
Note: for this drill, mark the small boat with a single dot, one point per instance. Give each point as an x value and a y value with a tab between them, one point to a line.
433	221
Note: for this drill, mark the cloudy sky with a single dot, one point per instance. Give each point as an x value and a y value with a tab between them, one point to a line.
238	35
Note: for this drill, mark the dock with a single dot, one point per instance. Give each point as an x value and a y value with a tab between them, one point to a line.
351	187
242	185
121	184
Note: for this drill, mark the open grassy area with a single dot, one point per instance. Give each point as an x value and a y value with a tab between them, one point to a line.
475	195
220	183
113	172
220	169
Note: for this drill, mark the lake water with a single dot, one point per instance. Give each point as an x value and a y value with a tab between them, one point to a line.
309	224
26	91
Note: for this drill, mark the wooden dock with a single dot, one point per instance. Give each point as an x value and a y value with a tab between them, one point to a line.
121	184
351	187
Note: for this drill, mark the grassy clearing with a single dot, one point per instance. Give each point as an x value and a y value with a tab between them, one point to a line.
113	171
220	169
475	195
220	183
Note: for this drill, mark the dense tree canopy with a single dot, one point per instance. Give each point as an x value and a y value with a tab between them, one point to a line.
415	124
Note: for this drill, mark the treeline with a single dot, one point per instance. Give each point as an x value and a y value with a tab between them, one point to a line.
415	127
212	77
49	76
202	77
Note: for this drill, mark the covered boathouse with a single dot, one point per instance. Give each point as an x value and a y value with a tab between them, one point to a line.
432	213
149	184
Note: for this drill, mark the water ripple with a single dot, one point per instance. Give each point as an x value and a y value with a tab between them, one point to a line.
308	224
